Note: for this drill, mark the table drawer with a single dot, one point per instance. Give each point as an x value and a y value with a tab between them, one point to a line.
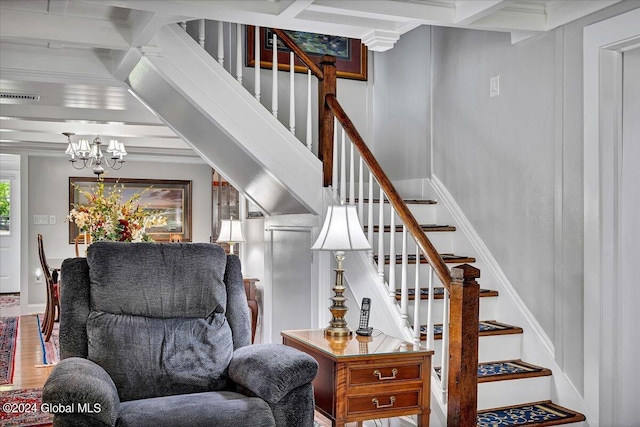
383	402
383	374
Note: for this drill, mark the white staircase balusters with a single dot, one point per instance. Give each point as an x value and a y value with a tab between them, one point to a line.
352	175
444	370
381	253
239	53
274	71
309	133
334	176
370	217
392	255
201	32
416	299
292	95
404	298
343	168
361	191
256	80
431	296
221	43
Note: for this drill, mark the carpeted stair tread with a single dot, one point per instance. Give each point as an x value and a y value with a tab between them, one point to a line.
439	293
411	259
425	227
485	328
507	370
406	201
534	414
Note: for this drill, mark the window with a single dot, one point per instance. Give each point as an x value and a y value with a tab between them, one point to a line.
5	207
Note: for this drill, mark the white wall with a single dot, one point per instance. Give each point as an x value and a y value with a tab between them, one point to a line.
402	106
514	163
48	194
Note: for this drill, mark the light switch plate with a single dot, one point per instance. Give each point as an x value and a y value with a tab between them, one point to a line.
52	219
494	86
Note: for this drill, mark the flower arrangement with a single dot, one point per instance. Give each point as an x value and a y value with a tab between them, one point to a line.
107	217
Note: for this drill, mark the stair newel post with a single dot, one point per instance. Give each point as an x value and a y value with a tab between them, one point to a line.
463	379
325	121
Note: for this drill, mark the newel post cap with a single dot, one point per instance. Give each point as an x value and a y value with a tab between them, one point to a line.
465	272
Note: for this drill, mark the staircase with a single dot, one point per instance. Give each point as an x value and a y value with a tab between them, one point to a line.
512	388
511	391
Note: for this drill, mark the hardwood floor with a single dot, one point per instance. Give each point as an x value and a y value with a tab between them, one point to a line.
28	355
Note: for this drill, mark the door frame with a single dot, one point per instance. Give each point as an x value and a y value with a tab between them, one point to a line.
11	172
603	45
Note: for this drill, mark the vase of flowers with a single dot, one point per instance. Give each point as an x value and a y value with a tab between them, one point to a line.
106	216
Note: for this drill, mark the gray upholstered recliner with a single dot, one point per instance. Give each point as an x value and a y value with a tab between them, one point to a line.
158	335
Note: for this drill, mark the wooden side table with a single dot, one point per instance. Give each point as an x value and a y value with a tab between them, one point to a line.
250	290
364	378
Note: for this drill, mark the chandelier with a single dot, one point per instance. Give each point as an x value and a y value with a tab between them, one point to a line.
85	155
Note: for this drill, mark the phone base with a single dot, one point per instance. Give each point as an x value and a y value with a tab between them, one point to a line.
366	332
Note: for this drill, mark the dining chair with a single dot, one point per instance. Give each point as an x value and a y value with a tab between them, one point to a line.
81	239
53	292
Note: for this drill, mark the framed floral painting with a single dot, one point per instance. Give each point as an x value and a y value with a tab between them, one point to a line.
170	199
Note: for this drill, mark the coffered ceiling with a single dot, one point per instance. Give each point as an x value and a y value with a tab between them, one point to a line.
67	53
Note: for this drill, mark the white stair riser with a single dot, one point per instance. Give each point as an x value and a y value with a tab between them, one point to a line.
497	394
487	309
441	240
424	214
491	348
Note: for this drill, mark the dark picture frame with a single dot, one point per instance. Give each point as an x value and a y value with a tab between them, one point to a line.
171	197
351	54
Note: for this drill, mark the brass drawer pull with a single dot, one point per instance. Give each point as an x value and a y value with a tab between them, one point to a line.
377	373
392	400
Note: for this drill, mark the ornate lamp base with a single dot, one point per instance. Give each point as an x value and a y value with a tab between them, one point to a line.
338	325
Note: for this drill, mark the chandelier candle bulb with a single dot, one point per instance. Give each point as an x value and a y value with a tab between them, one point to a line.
91	155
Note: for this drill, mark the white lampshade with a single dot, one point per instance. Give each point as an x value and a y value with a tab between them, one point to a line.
341	231
113	146
230	231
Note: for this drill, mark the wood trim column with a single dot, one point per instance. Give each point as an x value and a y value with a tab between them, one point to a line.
327	86
464	294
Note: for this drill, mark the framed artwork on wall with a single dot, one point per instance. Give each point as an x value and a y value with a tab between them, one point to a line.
171	198
351	54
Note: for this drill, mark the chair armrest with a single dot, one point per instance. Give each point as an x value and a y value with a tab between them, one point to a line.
79	383
271	371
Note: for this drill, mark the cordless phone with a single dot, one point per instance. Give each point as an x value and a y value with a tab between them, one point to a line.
363	327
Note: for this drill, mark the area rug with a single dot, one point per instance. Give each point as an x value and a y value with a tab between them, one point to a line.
8	336
50	349
21	408
9	300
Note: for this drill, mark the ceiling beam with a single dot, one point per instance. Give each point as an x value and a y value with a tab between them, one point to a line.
63	29
58	7
468	11
389	10
146	25
55	113
291	9
121	130
512	20
562	12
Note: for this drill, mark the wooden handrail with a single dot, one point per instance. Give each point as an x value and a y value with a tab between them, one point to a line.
284	37
432	255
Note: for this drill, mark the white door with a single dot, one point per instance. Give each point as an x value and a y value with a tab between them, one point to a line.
9	231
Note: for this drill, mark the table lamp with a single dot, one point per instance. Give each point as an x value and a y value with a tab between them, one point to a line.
230	232
340	232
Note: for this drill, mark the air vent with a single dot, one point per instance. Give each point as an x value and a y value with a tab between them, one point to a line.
19	96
